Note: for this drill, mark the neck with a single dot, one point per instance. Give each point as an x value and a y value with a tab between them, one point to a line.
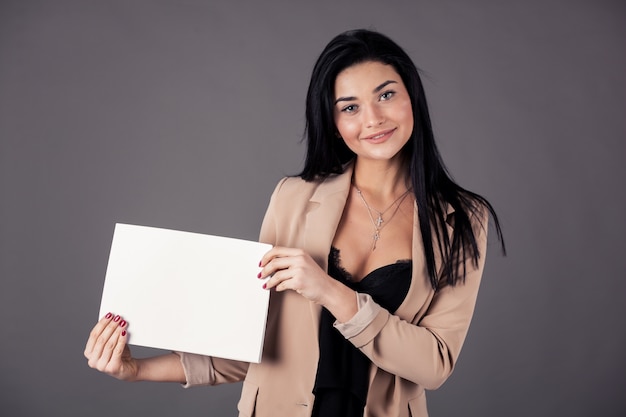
383	179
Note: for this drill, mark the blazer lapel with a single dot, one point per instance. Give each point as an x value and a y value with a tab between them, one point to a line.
421	291
322	219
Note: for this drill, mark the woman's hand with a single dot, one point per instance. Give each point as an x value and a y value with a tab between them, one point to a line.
107	351
294	269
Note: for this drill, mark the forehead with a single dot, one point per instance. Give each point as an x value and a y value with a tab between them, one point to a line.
364	76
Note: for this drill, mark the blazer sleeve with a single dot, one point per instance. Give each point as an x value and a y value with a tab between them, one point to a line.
424	352
207	370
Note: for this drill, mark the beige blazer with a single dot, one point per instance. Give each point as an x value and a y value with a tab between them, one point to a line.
412	350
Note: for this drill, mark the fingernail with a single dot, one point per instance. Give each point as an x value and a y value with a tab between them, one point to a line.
122	323
260	262
117	318
259	276
123	332
108	316
265	286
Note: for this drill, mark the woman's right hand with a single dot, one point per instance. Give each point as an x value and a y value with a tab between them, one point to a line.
107	351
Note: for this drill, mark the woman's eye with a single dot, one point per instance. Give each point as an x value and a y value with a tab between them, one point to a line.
387	95
349	109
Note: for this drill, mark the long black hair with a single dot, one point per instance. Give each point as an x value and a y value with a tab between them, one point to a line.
433	186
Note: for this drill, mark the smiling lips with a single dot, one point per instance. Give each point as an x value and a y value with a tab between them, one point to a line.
380	136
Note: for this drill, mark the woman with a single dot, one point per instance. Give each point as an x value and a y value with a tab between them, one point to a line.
376	263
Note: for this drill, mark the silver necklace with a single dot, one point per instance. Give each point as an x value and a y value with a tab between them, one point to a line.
379	223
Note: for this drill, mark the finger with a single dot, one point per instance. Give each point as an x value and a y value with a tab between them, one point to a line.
289	282
109	347
275	265
269	255
103	338
278	252
115	362
276	279
95	333
286	285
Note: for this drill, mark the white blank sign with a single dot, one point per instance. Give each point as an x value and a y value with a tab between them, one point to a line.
187	291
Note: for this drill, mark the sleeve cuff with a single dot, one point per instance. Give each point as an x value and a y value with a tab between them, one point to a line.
198	369
368	310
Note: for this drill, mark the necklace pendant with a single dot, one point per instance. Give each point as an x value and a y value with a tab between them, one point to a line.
375	238
378	223
379	220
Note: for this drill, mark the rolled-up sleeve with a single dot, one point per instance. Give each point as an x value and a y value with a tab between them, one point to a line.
207	370
367	312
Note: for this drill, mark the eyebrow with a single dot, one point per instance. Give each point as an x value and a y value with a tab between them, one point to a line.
376	90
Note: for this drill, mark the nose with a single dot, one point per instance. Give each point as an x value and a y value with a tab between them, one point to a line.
374	116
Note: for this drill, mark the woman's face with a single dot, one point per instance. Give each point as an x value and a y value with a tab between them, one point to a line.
373	111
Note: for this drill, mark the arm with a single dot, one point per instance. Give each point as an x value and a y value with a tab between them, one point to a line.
208	370
106	350
424	352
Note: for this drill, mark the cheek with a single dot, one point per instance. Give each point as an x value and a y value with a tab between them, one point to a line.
410	122
348	129
406	115
347	133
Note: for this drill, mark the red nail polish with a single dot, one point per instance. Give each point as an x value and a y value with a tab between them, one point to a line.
265	286
123	332
108	316
117	318
259	276
122	323
260	262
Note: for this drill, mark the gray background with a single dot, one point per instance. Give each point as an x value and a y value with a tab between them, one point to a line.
184	114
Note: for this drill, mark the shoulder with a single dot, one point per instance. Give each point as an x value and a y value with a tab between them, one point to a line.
294	187
292	194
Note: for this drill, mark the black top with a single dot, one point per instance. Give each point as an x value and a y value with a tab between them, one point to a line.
343	370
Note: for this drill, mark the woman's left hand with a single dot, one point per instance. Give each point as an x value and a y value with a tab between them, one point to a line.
294	269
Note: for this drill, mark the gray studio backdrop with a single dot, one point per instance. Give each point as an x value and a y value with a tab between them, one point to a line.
184	114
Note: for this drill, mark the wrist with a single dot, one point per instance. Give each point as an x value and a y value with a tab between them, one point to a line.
162	368
140	371
341	302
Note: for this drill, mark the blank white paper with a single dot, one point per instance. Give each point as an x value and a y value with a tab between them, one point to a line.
187	292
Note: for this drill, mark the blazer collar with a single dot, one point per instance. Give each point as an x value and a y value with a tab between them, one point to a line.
336	184
325	209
